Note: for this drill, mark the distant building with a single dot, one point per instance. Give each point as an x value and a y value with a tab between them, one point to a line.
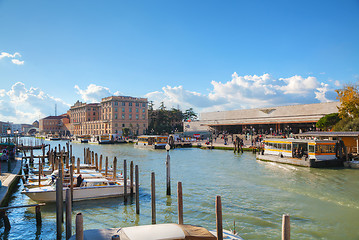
4	126
35	124
113	115
55	125
275	120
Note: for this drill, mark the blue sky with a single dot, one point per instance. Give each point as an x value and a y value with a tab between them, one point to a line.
209	55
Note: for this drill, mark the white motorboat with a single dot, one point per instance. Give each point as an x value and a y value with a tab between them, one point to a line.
90	189
168	231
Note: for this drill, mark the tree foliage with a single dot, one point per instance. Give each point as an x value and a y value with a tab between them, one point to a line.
348	109
328	121
163	121
349	101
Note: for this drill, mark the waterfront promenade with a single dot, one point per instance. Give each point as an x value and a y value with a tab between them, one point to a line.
8	178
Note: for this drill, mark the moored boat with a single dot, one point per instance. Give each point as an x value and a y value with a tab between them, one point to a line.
92	188
151	141
301	152
168	231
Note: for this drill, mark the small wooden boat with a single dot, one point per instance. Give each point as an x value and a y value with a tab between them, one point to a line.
90	189
168	231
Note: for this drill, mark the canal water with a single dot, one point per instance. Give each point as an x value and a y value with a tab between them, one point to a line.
322	203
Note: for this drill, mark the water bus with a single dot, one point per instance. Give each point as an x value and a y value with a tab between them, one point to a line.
151	141
301	152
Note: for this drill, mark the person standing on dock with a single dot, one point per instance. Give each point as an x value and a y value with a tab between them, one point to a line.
79	180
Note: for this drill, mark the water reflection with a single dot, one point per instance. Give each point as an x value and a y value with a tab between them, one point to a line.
323	203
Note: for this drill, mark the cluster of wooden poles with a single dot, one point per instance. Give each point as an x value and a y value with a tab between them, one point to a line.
219	221
90	158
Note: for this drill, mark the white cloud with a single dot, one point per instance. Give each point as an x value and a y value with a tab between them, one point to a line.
17	62
298	84
320	95
93	93
337	83
250	91
25	105
13	56
5	54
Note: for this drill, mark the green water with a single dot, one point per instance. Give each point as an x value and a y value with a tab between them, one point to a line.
322	203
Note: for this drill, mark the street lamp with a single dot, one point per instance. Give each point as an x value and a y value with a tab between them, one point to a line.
8	131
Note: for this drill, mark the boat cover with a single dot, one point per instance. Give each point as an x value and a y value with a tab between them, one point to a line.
169	231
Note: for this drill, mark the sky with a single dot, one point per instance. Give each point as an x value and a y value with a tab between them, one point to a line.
208	55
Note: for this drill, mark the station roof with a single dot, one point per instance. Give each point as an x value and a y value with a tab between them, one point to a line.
328	134
304	113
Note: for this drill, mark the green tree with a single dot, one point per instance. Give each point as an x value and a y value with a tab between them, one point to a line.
189	114
328	121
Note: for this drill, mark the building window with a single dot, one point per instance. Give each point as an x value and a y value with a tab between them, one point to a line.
136	110
130	116
115	109
94	113
115	124
143	104
143	110
143	116
116	131
123	109
116	116
116	103
123	103
130	110
137	104
123	125
136	116
130	104
123	116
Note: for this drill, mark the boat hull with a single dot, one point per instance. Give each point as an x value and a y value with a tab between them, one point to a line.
86	193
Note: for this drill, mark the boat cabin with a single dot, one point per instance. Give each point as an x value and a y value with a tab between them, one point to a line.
95	182
153	141
299	148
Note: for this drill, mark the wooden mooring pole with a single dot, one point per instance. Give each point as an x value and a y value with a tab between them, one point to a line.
180	203
168	174
72	181
137	190
78	166
114	167
125	180
131	179
219	218
6	221
153	198
68	214
285	227
79	226
38	215
106	166
96	161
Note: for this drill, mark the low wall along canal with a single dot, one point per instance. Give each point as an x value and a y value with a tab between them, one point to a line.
322	203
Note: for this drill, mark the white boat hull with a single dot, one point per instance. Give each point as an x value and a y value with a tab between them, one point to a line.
48	194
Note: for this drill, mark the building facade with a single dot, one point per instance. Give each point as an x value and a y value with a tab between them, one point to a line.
55	125
119	115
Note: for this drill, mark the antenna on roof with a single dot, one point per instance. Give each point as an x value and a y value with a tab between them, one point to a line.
55	109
